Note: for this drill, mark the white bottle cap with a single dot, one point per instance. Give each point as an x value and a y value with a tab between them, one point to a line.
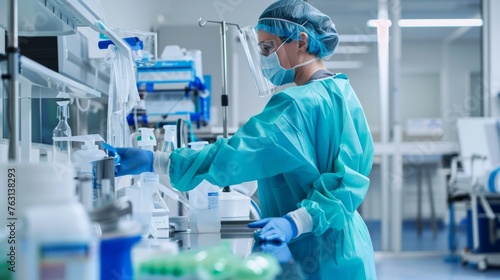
198	145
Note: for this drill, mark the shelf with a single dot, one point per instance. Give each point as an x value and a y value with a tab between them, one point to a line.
46	83
52	17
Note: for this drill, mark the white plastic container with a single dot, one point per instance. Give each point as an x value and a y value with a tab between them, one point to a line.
54	235
204	211
58	243
234	206
82	160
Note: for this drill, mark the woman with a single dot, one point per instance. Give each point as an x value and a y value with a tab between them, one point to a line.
310	149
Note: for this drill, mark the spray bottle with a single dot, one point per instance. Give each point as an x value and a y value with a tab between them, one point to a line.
170	138
82	161
204	212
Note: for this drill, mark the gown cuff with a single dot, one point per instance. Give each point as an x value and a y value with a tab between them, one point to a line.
161	162
302	219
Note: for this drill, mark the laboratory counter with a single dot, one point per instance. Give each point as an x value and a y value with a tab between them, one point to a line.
242	245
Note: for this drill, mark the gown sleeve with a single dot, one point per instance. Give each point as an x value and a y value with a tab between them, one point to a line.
264	147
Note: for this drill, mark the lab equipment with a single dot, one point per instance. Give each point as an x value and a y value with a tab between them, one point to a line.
53	18
475	184
291	17
103	184
82	161
55	228
281	229
174	86
118	237
327	177
143	45
71	56
204	211
61	149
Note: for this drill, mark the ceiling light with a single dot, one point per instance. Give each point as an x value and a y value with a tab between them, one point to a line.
379	22
471	22
331	65
466	22
352	49
357	38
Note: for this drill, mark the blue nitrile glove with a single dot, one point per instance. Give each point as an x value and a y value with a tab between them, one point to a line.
276	229
134	161
278	250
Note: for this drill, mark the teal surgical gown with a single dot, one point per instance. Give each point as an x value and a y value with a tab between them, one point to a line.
310	147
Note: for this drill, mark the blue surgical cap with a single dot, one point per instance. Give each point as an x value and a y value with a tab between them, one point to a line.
287	18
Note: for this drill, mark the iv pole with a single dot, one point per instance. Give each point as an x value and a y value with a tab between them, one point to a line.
224	97
12	52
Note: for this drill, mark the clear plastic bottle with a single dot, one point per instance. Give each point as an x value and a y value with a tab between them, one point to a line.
204	211
61	150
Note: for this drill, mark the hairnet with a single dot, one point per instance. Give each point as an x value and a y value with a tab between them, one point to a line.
287	18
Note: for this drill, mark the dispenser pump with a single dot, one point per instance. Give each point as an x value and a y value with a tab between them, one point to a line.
145	138
89	141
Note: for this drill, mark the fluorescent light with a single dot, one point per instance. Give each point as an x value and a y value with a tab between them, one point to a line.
343	64
440	22
352	49
379	22
357	38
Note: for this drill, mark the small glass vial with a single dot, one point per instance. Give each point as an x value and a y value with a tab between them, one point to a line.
62	149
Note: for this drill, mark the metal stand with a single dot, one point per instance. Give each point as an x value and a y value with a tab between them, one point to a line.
13	77
224	97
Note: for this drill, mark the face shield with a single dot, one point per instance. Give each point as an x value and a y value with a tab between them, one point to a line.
271	66
250	42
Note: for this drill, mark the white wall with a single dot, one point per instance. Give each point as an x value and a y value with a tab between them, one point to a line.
129	14
187	12
422	94
434	83
492	54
